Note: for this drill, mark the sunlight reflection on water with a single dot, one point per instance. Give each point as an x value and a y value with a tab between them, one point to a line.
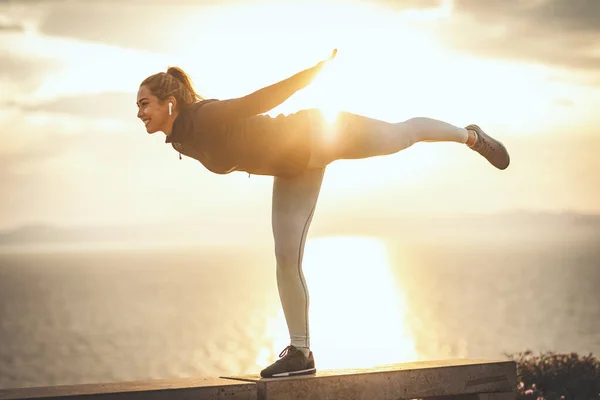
357	312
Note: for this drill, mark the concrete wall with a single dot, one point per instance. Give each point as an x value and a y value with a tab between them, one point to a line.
447	379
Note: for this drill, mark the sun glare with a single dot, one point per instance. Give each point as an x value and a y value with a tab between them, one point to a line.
357	313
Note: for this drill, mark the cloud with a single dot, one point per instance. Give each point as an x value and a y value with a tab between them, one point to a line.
562	15
559	33
35	66
21	15
9	26
151	26
19	85
23	70
108	105
144	25
564	102
177	26
127	27
411	4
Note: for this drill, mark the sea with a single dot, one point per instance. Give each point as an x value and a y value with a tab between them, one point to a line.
99	314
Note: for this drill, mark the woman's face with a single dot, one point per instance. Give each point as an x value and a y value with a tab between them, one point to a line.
153	113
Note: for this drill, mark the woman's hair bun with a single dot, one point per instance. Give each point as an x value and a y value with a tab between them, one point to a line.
177	72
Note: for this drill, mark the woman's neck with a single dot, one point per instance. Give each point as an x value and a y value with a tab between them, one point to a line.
170	122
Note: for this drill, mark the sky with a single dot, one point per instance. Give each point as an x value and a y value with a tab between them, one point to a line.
73	153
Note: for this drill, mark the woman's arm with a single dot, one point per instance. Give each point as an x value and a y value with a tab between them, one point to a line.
263	100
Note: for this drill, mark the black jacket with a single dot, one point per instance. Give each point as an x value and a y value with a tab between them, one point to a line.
234	135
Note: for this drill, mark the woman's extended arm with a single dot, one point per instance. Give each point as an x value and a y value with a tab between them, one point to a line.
262	100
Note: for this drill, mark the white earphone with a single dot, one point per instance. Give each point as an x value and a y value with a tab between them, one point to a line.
170	108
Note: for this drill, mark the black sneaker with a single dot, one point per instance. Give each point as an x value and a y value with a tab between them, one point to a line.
493	150
292	362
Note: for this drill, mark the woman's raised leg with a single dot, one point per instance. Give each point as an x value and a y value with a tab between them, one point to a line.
355	136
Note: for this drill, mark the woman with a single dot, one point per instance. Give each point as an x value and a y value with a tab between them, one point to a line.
234	135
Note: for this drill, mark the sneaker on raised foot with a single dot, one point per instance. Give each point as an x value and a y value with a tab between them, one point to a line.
493	150
292	362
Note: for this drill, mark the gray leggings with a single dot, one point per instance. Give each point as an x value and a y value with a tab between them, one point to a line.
295	200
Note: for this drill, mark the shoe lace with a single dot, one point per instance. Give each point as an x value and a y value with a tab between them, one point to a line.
285	351
484	147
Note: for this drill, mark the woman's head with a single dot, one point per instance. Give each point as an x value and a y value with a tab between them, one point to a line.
162	96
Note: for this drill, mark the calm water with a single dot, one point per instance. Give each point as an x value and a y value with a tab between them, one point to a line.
70	317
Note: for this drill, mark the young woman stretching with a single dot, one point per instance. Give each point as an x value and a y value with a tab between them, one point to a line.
234	135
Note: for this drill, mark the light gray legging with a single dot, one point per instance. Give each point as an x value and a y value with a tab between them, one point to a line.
295	200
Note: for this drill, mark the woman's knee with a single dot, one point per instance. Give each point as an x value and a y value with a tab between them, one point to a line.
287	253
413	130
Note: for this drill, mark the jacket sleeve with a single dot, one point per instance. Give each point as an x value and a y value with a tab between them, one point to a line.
260	101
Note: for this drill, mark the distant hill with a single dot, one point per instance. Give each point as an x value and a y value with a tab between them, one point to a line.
503	226
46	234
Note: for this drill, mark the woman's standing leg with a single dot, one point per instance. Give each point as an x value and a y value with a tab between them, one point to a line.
294	203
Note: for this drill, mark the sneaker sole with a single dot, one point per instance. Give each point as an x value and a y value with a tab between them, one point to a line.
309	371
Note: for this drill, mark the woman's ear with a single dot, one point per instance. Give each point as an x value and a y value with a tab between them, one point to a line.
172	104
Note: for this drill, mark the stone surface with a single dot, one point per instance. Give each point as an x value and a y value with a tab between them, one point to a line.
176	389
432	380
391	382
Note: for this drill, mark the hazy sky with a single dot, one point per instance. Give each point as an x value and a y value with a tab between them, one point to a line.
73	152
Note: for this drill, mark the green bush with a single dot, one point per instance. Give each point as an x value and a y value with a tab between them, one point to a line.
552	376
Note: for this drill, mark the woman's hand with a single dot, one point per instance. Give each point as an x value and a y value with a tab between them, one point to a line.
317	68
331	57
333	54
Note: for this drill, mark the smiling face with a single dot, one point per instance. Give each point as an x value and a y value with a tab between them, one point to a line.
153	112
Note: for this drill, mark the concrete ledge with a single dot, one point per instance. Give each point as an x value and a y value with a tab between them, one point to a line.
479	396
444	380
398	381
183	388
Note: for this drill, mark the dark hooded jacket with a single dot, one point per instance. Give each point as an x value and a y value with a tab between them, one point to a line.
235	135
